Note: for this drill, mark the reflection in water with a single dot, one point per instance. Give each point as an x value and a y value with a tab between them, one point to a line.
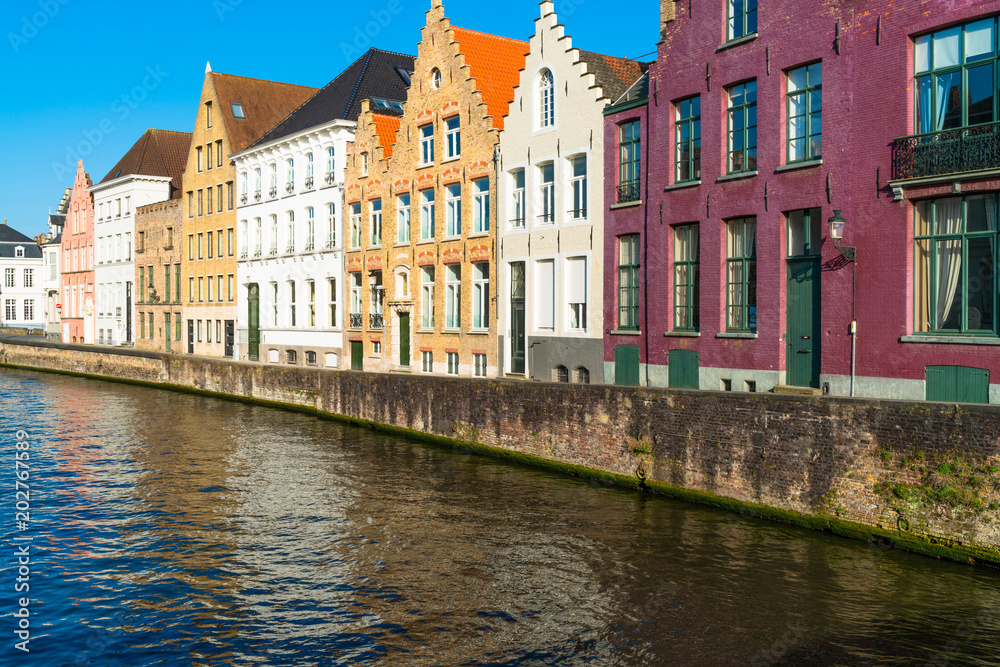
181	530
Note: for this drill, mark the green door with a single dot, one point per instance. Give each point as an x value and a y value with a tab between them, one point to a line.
803	321
253	322
404	340
682	369
357	355
167	331
517	317
957	384
627	365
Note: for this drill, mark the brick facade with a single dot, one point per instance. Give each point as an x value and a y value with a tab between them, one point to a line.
78	306
159	230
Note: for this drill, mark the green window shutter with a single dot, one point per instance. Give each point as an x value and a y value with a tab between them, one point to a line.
957	384
627	365
682	369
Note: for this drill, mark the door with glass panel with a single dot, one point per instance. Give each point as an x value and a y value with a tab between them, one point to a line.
517	317
802	361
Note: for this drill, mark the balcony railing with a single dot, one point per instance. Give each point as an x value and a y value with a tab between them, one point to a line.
628	192
273	192
243	198
356	320
256	251
309	181
310	245
329	178
256	195
273	250
290	188
375	321
244	254
947	152
331	242
290	248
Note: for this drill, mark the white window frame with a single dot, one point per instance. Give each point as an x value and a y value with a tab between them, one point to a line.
453	210
403	218
453	297
427	144
481	296
427	203
453	137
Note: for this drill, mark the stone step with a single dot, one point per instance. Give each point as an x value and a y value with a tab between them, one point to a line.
788	389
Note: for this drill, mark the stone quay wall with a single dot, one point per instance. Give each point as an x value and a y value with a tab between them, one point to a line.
920	476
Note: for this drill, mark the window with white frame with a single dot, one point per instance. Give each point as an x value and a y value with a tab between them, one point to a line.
453	296
481	295
274	180
331	285
427	297
452	363
481	206
427	215
403	218
274	304
546	99
576	292
310	228
291	302
544	294
310	166
364	163
311	291
331	164
427	361
427	144
29	277
453	210
331	225
479	365
290	246
257	240
376	222
9	277
256	183
517	198
453	137
547	193
274	234
10	309
356	299
578	187
355	225
289	174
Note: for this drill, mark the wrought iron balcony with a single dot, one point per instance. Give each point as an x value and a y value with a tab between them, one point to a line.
273	250
947	152
273	192
290	248
244	254
331	242
256	252
310	245
290	187
356	320
375	321
243	198
329	178
628	192
309	181
256	195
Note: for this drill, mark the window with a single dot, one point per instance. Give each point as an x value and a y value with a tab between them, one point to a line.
142	283
290	247
273	192
479	365
310	169
218	198
686	278
742	16
190	247
29	309
741	275
230	292
628	161
230	242
578	187
377	348
209	293
688	139
256	184
375	295
544	294
426	215
427	144
427	297
628	282
201	246
237	110
453	210
201	202
547	193
331	164
742	116
452	363
805	113
804	232
427	361
435	78
546	99
10	309
560	374
311	288
211	246
955	265
142	325
331	225
208	115
274	235
576	292
177	285
481	206
257	237
166	282
291	356
10	276
177	326
291	303
356	299
170	239
201	288
582	375
481	295
289	175
453	137
190	289
376	222
310	228
332	287
218	153
209	162
198	152
355	225
403	219
274	304
955	76
517	198
453	296
364	164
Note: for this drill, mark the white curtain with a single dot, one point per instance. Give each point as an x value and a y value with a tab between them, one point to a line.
948	220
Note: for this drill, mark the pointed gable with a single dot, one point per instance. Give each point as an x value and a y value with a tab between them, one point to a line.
613	74
156	153
264	105
495	64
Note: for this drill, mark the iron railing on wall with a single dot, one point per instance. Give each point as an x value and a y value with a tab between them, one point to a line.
947	152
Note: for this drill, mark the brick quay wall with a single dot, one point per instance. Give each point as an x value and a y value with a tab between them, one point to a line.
920	476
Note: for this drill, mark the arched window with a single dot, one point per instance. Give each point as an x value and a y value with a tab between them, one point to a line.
546	99
560	374
582	375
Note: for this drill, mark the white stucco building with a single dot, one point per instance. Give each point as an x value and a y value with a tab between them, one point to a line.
550	209
289	197
51	263
148	173
21	292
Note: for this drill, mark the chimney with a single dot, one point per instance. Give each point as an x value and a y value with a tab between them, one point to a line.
668	13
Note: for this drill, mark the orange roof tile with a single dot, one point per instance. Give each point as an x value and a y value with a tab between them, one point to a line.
495	63
386	127
265	104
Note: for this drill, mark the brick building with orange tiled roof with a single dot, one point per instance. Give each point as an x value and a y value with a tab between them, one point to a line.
419	220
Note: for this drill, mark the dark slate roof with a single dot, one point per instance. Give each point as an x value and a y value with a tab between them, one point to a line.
156	153
57	219
613	74
10	238
56	241
374	74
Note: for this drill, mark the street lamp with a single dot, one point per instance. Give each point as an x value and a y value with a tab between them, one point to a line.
850	253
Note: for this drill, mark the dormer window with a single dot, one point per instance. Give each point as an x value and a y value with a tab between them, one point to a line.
19	251
546	99
237	110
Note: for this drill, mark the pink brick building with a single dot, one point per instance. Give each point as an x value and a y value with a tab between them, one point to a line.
758	125
78	263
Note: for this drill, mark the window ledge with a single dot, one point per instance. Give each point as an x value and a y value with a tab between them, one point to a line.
682	185
451	159
478	332
682	334
424	166
735	334
427	242
628	204
477	235
425	331
625	332
954	340
736	176
802	164
739	40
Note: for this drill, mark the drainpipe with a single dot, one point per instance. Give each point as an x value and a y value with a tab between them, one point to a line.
645	244
854	320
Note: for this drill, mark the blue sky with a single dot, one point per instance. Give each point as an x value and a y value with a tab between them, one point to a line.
88	78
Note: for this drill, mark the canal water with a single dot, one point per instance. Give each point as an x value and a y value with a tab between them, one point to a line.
168	529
